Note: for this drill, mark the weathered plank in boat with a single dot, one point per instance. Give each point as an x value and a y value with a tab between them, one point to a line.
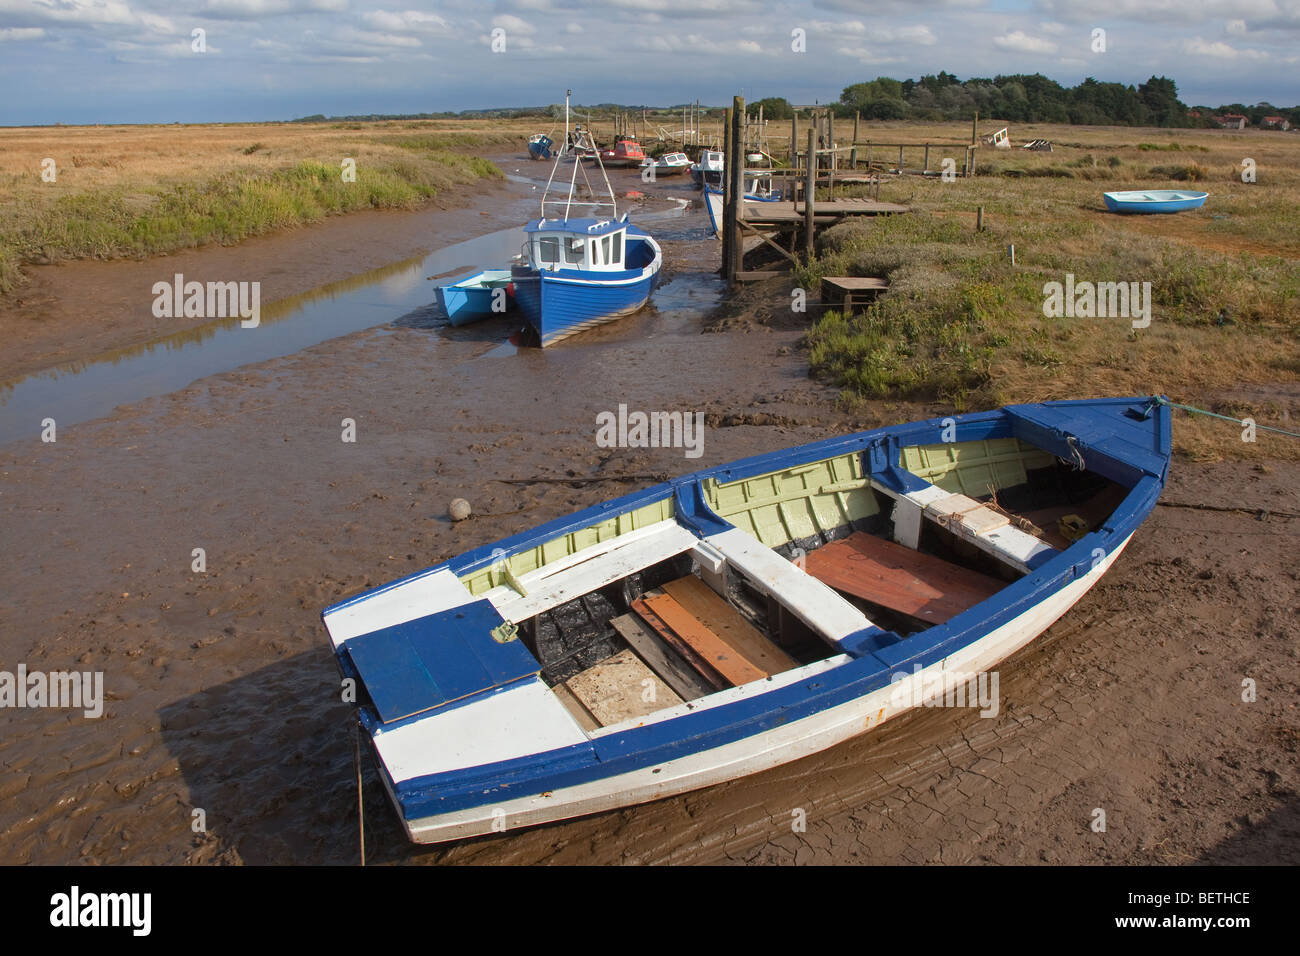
689	654
616	690
700	600
720	655
574	706
662	658
893	576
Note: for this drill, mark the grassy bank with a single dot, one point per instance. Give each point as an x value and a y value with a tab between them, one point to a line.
138	191
964	328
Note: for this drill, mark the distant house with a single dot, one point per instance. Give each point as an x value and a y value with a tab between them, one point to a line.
1231	121
1275	122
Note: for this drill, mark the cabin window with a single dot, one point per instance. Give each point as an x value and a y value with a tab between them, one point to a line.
573	250
548	250
618	249
595	252
605	250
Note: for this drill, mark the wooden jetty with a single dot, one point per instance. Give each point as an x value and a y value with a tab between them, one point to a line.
747	225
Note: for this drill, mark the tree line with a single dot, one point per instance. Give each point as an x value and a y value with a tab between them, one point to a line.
1029	98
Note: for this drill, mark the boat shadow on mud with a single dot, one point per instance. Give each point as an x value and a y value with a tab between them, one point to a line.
298	806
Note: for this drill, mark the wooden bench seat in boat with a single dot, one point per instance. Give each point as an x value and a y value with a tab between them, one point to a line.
968	520
712	635
896	577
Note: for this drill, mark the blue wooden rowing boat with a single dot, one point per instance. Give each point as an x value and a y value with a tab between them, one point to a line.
740	617
1154	200
476	296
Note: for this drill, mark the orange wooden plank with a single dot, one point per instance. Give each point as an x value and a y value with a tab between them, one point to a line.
721	656
656	623
727	623
896	577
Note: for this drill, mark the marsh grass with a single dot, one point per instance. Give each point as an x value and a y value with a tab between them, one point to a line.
135	191
962	327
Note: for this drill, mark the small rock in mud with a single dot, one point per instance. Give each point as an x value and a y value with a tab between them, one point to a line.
459	509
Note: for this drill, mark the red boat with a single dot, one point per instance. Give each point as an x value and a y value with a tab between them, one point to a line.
627	152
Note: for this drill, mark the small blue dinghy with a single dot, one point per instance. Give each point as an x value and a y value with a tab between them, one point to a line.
741	617
477	296
1154	200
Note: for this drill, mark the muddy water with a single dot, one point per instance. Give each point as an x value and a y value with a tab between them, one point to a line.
77	392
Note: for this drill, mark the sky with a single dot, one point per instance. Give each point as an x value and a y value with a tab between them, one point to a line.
141	61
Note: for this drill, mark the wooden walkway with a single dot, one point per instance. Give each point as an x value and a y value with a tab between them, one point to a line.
824	211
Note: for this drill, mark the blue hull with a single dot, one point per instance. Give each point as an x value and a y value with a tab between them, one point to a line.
1154	201
563	303
1125	440
464	304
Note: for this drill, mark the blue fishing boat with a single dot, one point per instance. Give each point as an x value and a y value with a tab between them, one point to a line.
477	296
1154	200
539	146
741	617
582	264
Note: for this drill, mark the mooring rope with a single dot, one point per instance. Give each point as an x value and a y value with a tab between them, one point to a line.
1160	400
361	808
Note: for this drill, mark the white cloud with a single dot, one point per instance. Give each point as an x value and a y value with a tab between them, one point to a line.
22	33
369	38
408	21
1237	27
1220	51
1020	42
512	24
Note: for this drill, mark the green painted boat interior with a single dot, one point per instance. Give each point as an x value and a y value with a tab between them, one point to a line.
975	468
555	549
796	503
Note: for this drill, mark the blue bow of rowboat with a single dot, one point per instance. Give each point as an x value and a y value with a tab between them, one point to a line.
1154	200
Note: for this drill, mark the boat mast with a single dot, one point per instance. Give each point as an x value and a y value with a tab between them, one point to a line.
584	141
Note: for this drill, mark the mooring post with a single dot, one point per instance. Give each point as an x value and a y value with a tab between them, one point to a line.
927	157
735	171
809	190
979	218
726	195
853	154
794	140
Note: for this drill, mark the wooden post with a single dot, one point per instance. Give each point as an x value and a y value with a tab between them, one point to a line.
735	168
853	154
727	235
794	140
974	129
900	159
927	157
979	218
809	191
